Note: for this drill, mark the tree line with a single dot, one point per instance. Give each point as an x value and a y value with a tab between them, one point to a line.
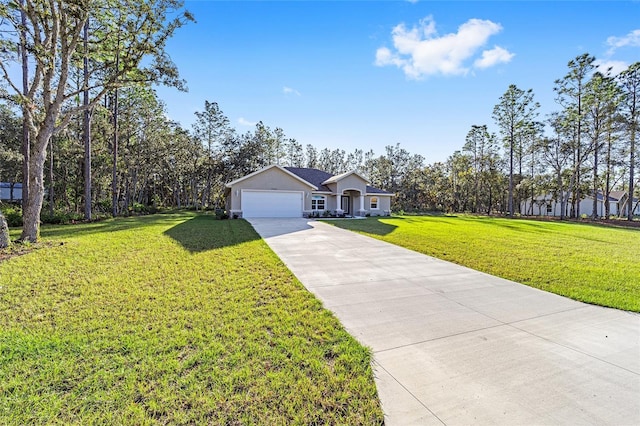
87	135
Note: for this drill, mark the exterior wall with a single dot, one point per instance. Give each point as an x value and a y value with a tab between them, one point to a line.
271	179
384	205
274	179
540	207
586	207
351	182
329	203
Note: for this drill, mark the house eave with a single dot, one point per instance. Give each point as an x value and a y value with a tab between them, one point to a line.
334	179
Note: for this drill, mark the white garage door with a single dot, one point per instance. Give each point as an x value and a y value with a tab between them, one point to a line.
271	204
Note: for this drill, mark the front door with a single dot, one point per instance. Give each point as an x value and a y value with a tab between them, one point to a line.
345	204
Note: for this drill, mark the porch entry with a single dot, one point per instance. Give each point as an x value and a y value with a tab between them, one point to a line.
346	204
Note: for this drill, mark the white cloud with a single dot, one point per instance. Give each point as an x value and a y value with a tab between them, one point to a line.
289	91
493	57
244	122
616	66
632	39
420	52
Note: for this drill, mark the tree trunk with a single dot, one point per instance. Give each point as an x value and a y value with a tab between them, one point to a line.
31	214
51	193
114	174
511	178
594	212
607	190
26	146
4	233
561	191
632	160
87	130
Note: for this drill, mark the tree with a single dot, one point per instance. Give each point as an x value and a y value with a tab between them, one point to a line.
513	113
295	154
311	156
125	33
556	152
4	232
211	129
479	146
571	90
86	125
601	98
630	82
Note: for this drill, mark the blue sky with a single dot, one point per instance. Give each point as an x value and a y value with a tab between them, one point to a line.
366	74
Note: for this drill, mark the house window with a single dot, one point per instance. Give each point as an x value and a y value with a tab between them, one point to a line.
549	209
318	202
374	202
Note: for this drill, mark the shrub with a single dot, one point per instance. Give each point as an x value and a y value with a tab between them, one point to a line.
13	215
60	217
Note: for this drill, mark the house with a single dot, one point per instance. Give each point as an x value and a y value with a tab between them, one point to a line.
623	203
276	191
10	191
548	205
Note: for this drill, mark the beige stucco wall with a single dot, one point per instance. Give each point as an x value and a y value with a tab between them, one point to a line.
353	182
384	205
272	179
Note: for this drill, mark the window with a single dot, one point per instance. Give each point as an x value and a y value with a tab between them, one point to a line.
549	209
318	202
374	202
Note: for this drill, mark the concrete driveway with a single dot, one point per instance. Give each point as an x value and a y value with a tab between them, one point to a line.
455	346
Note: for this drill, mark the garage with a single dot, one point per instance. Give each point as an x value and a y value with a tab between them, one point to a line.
271	203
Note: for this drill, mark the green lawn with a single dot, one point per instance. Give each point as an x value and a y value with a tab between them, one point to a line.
171	319
590	263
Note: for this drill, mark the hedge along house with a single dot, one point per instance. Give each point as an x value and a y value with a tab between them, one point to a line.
276	191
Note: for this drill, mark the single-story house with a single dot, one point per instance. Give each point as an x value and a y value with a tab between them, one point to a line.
276	191
548	205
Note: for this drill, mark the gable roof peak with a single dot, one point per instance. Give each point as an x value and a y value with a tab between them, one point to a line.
277	166
341	176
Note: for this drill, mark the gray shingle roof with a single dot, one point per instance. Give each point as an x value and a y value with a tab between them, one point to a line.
316	177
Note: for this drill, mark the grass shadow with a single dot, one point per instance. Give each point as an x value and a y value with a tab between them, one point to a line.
109	225
204	232
371	225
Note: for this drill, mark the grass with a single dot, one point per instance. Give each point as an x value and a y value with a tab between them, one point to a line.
590	263
171	319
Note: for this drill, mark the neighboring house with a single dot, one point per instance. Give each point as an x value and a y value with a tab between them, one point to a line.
623	203
548	205
276	191
10	191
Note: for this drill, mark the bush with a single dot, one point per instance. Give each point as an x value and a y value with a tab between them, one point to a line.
60	217
142	209
221	214
13	215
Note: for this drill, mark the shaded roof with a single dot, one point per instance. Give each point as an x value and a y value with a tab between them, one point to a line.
314	176
283	169
600	197
617	195
372	190
318	177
